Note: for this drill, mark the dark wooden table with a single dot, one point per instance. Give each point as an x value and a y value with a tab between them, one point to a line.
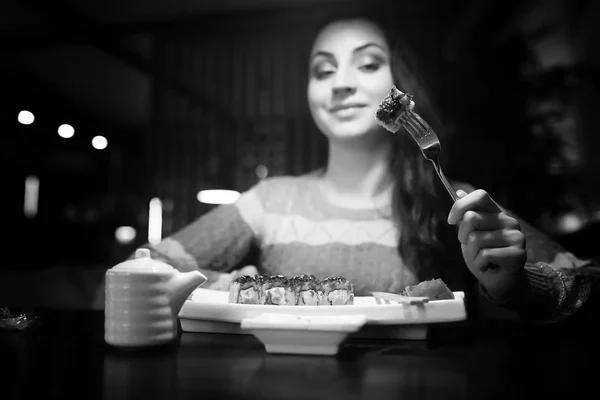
65	357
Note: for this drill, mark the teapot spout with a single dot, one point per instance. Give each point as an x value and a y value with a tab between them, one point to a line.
183	284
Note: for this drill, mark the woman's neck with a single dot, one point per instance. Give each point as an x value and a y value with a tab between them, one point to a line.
357	174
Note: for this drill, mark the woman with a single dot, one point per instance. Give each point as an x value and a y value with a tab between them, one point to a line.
375	214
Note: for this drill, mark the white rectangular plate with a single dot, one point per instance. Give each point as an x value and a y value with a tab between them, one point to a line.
209	311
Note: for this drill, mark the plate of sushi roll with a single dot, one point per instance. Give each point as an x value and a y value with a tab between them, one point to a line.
306	296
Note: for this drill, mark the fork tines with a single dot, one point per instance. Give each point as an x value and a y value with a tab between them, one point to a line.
415	125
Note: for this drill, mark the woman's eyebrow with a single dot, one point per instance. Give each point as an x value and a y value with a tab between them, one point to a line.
367	45
327	54
322	54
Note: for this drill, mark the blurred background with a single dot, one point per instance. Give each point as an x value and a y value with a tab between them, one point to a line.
116	114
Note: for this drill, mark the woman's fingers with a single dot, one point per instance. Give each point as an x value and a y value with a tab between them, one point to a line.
503	257
222	281
481	222
499	238
248	270
478	200
478	241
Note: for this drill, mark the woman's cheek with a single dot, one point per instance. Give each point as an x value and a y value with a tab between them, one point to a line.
378	84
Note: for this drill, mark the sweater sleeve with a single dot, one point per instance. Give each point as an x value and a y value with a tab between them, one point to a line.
556	284
217	242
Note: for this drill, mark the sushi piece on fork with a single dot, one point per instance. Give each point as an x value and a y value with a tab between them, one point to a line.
396	111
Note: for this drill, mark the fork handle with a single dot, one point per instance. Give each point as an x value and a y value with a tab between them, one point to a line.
438	169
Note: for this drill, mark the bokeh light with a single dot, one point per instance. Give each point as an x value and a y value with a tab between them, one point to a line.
218	196
66	131
32	188
155	221
26	117
125	234
261	171
99	142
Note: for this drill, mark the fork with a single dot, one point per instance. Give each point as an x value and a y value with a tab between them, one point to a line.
430	146
428	142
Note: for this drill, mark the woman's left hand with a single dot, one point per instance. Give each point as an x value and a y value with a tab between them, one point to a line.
492	243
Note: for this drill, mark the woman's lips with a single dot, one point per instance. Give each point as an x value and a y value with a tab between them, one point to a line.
341	107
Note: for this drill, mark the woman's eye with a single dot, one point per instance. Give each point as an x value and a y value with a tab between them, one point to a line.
322	73
370	67
371	63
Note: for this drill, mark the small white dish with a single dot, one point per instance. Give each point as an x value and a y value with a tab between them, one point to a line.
300	334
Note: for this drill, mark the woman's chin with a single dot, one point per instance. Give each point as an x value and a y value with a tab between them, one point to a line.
354	135
350	139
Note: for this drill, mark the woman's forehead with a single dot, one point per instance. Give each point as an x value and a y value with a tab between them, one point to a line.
348	34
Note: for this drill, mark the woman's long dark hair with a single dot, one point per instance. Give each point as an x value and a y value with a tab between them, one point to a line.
420	204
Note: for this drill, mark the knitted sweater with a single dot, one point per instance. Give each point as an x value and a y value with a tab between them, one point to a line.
298	231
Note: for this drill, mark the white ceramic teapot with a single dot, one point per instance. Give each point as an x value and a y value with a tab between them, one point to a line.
143	298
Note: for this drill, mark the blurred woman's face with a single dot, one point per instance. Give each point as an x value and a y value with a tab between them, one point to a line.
349	76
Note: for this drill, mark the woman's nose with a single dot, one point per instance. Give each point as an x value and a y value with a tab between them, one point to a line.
343	90
344	83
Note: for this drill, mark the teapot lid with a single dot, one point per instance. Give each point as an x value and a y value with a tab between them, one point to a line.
143	262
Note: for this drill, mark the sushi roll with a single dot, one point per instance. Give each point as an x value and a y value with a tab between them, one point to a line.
276	290
435	289
306	289
392	108
337	290
246	289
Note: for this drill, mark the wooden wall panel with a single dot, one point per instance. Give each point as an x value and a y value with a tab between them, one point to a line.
258	81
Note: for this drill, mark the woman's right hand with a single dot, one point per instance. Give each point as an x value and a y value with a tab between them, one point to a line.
492	243
224	280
